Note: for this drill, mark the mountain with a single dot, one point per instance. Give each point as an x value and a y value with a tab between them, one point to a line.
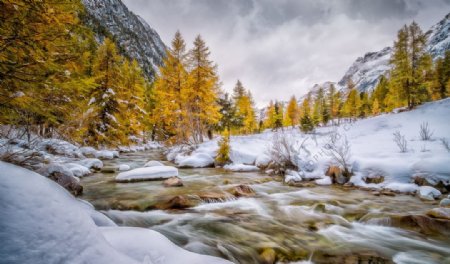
366	70
134	37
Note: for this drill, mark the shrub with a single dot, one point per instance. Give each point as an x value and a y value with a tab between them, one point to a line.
401	142
425	132
446	144
339	150
223	154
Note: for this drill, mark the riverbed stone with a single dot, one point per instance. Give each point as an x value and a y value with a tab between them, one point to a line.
179	202
445	202
109	169
242	190
173	182
424	224
428	193
374	179
268	256
70	183
441	213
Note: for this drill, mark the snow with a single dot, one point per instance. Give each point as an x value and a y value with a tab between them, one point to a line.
140	244
43	223
198	160
373	151
91	163
324	181
106	154
262	160
153	163
124	167
77	169
292	176
240	167
148	173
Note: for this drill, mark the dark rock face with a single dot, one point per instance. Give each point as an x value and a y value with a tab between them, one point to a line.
134	37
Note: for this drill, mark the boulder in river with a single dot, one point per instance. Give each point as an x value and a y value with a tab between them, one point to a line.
147	174
179	202
173	182
419	223
268	256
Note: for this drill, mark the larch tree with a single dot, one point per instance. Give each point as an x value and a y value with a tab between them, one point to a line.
202	93
291	116
171	91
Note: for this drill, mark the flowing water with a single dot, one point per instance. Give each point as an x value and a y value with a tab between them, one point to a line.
320	224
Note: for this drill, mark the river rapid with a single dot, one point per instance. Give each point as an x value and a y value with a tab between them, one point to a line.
322	224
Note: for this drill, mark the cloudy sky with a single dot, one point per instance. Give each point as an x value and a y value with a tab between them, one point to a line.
278	48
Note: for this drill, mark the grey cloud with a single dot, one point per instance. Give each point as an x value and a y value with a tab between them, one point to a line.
286	45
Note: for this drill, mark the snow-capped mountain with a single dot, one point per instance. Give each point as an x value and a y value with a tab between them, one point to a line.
366	70
135	38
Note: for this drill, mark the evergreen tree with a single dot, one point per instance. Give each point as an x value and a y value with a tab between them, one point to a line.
278	111
306	123
270	116
103	126
223	154
227	111
442	77
380	93
244	109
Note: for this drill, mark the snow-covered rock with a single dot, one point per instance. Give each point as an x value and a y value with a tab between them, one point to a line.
88	151
147	173
91	163
428	193
292	177
140	244
324	181
240	167
124	167
153	163
77	169
262	160
198	160
42	223
106	154
402	187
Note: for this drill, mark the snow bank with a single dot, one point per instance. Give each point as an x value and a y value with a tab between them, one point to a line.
197	160
140	244
43	223
153	163
106	154
240	167
324	181
292	177
371	143
148	173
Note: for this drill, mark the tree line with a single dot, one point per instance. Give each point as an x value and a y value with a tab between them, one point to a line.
57	79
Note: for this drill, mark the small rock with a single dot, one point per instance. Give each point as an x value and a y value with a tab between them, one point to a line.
173	182
242	190
70	183
153	163
445	202
336	175
442	213
109	169
268	256
374	179
179	202
213	197
387	192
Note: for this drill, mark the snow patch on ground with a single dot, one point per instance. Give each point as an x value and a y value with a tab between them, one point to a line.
148	173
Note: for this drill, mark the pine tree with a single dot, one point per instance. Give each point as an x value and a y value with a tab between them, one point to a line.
278	111
365	105
380	92
442	77
103	126
375	107
245	112
306	123
228	118
202	93
270	116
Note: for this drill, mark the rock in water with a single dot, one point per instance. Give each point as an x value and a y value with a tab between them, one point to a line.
445	202
173	182
147	174
428	193
242	190
442	213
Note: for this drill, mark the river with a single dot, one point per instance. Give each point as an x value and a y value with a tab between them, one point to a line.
323	224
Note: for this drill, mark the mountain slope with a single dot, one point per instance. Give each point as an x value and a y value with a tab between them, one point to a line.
365	71
134	37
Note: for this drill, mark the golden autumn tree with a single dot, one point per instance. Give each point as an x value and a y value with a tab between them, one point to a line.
202	109
170	90
291	117
41	75
245	112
